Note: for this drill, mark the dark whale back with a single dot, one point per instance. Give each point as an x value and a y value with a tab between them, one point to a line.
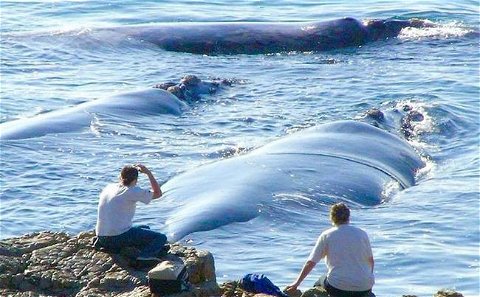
264	38
253	38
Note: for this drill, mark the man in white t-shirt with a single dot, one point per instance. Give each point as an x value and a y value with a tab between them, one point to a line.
116	209
349	258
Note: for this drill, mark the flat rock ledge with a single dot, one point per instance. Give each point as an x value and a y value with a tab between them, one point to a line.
56	264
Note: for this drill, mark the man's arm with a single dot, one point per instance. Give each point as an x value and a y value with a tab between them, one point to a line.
307	267
157	192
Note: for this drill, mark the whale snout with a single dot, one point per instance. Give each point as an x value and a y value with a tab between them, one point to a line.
190	88
384	29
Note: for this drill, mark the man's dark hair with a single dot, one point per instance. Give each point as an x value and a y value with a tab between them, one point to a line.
339	213
128	175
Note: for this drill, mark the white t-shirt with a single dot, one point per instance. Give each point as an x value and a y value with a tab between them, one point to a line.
116	208
347	250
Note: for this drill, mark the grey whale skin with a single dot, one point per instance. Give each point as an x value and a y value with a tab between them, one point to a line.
345	160
166	98
151	101
264	38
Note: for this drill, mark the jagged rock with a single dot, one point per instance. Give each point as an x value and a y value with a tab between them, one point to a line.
233	289
201	267
47	263
19	246
441	293
20	294
315	292
296	293
447	293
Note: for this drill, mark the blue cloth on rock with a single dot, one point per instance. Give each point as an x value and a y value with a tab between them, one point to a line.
259	283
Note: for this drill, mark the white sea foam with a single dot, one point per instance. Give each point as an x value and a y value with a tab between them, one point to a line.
390	189
308	28
449	30
424	126
427	125
96	126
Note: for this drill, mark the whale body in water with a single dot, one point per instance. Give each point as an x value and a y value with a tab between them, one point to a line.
151	101
166	98
263	37
346	160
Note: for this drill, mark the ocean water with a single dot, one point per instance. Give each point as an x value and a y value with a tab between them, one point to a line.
424	238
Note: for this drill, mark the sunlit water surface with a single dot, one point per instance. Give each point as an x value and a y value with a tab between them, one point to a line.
424	238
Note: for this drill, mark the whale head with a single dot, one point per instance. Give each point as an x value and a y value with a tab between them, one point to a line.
191	87
384	29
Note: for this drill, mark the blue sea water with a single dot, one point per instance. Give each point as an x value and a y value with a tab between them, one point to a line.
424	238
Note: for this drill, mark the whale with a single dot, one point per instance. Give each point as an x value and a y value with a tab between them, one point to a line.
144	102
166	98
263	37
349	161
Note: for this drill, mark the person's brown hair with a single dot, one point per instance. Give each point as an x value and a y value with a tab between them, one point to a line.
339	213
128	174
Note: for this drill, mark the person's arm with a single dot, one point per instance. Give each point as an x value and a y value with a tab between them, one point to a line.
157	192
307	268
372	262
318	252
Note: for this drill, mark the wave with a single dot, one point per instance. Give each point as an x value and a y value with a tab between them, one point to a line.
449	30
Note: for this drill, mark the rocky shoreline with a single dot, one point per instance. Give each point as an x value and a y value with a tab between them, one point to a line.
57	264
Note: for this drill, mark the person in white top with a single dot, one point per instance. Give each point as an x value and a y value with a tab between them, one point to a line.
116	209
349	258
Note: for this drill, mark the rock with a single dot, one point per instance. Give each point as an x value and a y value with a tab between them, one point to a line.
232	289
441	293
201	267
52	264
297	293
30	242
315	292
447	293
11	264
